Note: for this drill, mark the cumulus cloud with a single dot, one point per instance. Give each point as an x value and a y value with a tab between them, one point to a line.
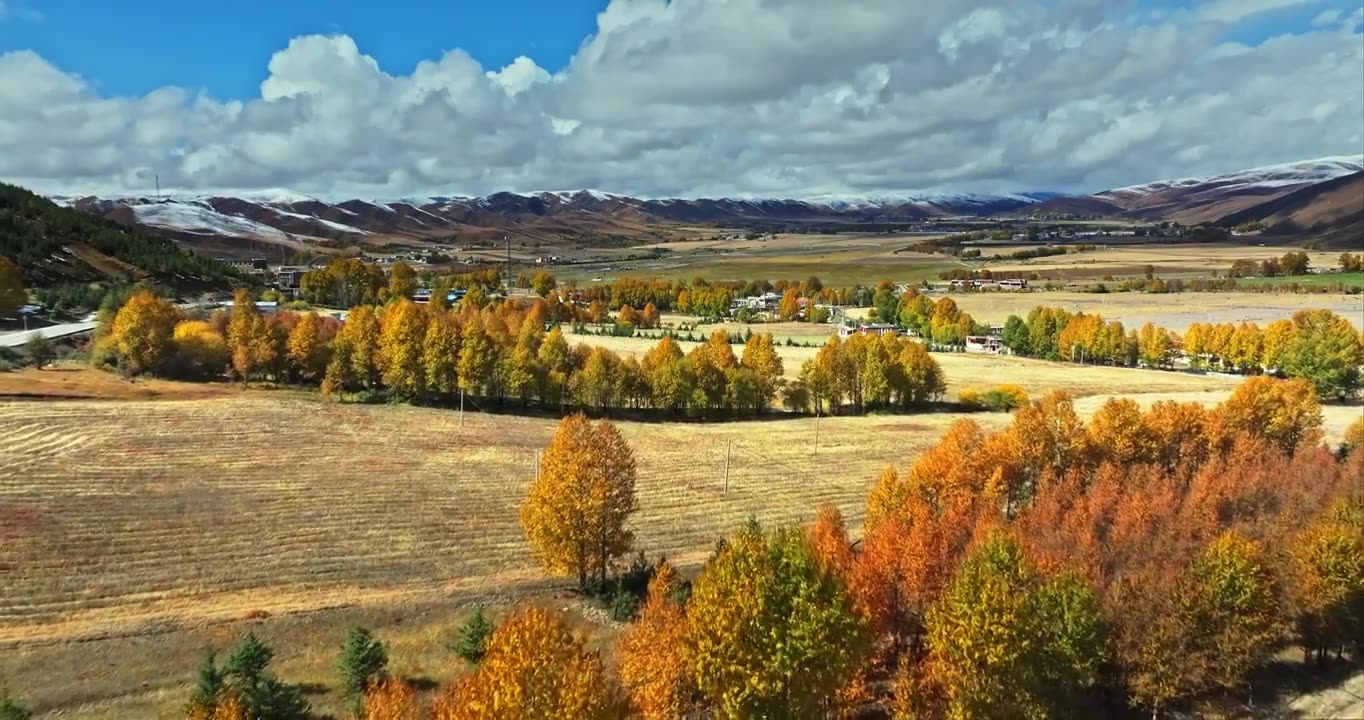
738	98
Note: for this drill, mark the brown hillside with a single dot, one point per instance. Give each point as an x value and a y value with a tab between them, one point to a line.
1331	212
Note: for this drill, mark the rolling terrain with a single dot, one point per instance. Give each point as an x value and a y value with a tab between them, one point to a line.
1321	200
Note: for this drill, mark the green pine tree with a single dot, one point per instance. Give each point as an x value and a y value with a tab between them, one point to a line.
363	660
471	641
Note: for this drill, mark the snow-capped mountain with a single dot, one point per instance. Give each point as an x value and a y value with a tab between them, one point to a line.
286	217
1206	199
1270	176
290	219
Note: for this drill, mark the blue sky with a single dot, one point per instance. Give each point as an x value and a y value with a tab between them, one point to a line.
738	98
135	46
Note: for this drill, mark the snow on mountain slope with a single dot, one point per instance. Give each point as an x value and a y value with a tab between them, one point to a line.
339	227
1270	176
202	220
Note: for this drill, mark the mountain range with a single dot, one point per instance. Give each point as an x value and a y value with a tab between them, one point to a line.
1322	197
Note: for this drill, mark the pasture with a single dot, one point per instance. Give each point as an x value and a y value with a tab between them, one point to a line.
1175	311
141	532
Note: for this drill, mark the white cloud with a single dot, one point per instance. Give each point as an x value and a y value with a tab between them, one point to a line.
1327	18
744	97
1230	11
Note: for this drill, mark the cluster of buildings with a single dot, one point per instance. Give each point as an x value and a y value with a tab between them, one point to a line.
1011	284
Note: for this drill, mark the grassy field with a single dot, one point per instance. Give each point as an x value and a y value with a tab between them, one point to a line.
140	532
1346	279
132	523
838	260
1175	311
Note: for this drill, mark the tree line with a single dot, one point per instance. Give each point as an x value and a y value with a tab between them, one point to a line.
1146	560
1317	345
505	352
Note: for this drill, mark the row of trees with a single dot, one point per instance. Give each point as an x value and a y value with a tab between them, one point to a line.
1317	345
1057	568
867	372
503	352
1292	263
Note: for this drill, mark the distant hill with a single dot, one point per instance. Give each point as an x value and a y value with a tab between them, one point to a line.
1331	211
55	245
278	223
1321	200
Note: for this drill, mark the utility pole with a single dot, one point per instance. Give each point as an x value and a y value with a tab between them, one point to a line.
816	432
461	407
728	445
537	464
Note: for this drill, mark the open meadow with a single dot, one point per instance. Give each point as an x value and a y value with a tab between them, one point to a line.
838	260
1175	311
141	532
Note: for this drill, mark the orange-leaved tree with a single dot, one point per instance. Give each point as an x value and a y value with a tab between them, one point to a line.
654	667
391	699
575	513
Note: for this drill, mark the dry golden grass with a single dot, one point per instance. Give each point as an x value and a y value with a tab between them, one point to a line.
1121	259
76	381
1175	311
143	526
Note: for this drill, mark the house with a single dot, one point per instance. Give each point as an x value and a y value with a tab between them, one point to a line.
1013	284
255	263
288	277
985	344
868	329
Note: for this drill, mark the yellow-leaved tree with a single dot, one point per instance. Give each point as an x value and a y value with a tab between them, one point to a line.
770	631
400	348
575	514
534	668
760	356
144	331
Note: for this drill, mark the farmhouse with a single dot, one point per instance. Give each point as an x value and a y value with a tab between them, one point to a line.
868	329
985	344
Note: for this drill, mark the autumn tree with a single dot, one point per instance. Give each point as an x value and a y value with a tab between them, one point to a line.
628	316
535	668
1154	346
360	338
1235	604
654	667
1285	412
308	352
761	358
542	283
1326	352
769	632
1118	432
789	306
440	354
390	699
1328	580
144	331
199	351
402	281
403	330
649	318
575	514
477	359
1009	643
